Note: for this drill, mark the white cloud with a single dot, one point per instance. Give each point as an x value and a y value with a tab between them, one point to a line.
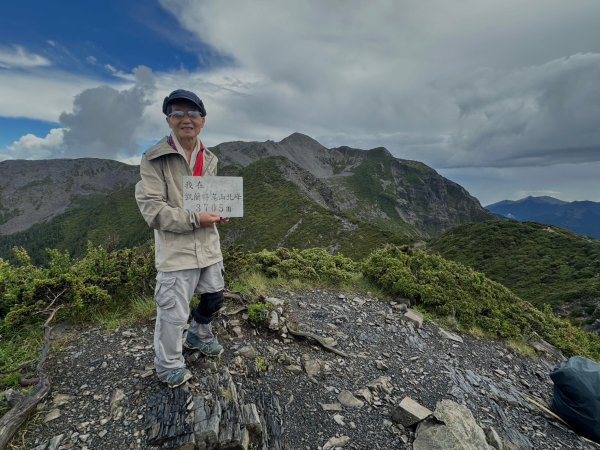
475	87
132	160
17	57
539	193
34	147
537	115
42	96
104	120
103	124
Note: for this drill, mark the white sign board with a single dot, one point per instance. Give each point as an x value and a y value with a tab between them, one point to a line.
220	195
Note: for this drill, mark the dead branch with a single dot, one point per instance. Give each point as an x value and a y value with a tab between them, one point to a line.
56	297
28	381
560	419
20	412
318	339
233	312
234	296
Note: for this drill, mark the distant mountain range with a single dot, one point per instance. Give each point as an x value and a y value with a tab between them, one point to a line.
581	217
297	192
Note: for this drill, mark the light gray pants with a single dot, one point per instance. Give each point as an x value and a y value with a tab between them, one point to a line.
173	293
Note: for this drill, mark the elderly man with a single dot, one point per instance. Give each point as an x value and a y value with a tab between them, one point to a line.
188	252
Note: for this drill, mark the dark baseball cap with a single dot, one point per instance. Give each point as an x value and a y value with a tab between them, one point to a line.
181	94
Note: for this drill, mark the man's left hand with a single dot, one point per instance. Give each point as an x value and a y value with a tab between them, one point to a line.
207	219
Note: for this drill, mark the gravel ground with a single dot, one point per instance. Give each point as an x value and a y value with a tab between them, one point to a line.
102	382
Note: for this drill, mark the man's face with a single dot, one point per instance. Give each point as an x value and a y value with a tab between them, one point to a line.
185	127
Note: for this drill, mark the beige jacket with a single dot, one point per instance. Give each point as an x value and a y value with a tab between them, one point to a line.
180	242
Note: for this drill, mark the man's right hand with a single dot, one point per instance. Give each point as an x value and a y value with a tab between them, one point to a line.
208	219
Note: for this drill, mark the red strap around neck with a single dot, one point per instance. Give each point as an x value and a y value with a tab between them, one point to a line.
199	159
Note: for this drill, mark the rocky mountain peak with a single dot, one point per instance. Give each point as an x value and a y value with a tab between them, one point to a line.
299	139
381	151
297	147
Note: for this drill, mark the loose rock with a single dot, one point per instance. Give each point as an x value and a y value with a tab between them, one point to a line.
409	412
346	398
335	442
415	317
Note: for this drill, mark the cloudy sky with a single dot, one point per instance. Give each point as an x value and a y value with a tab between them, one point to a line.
501	96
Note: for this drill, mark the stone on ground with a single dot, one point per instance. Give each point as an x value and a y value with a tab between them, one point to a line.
409	412
415	317
458	430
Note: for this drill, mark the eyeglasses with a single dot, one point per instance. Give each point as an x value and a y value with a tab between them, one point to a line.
181	114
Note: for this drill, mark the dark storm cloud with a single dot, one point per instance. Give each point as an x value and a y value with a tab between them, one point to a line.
104	119
540	115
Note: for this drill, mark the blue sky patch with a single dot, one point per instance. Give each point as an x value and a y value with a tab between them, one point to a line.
84	37
12	129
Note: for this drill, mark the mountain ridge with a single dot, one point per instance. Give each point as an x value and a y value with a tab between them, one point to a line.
336	196
34	191
581	217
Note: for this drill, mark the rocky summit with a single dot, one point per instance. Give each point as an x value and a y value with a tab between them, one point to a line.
368	183
326	370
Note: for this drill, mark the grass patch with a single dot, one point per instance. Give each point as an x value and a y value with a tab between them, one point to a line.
478	332
523	348
16	348
260	364
359	283
114	315
252	284
258	313
255	283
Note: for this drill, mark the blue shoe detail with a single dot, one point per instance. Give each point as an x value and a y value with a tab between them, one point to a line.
177	377
210	348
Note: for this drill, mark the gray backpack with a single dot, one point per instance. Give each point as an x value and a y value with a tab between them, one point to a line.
577	395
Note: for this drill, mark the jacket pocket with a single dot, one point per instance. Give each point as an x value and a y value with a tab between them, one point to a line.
164	293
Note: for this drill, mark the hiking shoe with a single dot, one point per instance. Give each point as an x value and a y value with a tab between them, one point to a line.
210	348
177	377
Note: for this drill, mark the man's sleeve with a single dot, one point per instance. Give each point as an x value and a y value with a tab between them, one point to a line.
151	197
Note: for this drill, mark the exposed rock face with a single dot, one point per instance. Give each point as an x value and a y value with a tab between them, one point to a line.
36	191
298	148
366	182
455	429
431	202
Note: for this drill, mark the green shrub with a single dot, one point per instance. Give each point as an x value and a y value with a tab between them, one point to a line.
28	292
557	268
258	313
314	264
447	288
